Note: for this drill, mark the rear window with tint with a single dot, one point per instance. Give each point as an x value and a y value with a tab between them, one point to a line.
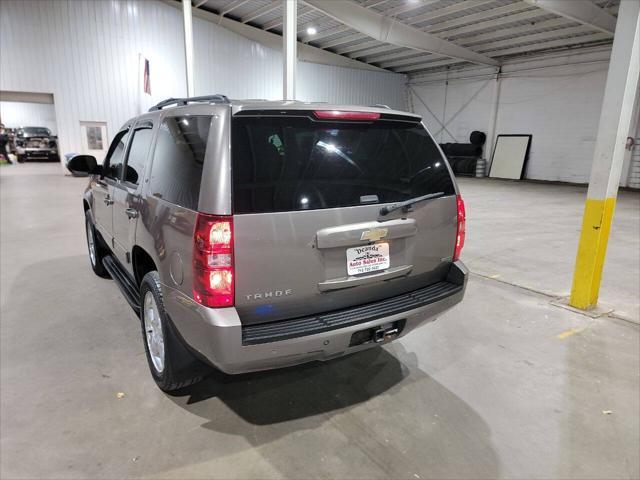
299	163
178	158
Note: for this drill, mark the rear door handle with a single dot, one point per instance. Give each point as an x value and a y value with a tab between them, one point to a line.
131	212
107	200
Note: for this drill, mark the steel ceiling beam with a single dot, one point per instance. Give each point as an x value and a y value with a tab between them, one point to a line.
513	50
581	11
276	22
482	24
324	33
481	38
535	37
518	30
594	37
373	3
475	40
337	29
261	11
495	23
232	6
424	66
360	46
391	58
342	40
442	12
307	53
408	61
472	19
408	7
390	31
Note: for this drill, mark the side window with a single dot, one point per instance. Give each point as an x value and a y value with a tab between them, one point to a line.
138	152
178	159
115	158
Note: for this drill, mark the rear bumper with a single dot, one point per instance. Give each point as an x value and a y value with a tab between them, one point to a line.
217	335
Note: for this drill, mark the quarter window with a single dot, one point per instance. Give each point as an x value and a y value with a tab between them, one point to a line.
178	159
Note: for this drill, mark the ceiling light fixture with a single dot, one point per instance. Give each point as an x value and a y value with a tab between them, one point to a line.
311	31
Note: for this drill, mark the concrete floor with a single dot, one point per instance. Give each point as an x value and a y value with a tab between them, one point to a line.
506	385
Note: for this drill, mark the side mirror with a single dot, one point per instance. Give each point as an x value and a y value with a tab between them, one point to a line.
84	165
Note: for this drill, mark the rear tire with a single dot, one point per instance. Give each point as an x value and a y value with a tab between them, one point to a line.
95	249
172	365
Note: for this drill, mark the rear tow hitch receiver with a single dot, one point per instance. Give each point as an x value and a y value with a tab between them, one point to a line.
380	334
385	334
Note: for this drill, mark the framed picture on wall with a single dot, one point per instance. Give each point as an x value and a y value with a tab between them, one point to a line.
94	138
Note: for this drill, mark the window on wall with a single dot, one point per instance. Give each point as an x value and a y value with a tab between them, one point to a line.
94	137
178	159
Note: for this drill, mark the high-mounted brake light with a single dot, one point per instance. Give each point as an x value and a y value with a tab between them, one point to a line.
213	275
461	228
342	115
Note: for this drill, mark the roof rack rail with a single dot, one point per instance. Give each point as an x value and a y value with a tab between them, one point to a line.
187	100
381	105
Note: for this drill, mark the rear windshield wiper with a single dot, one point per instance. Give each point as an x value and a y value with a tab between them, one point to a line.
407	203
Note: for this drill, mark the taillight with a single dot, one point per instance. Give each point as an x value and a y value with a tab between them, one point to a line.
461	228
343	115
213	282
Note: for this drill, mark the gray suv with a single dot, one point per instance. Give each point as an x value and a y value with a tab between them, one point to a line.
250	235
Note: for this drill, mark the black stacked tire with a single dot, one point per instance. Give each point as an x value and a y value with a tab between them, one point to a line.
477	138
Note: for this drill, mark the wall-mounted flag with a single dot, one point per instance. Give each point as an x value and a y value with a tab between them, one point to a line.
147	77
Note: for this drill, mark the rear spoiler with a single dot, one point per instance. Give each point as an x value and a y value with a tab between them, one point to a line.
330	115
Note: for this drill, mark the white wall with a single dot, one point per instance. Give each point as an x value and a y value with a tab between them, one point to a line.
228	63
467	104
86	53
558	101
26	114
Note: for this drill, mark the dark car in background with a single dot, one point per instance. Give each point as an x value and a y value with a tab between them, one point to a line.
35	143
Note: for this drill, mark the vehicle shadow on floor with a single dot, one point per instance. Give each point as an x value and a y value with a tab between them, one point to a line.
379	401
374	414
276	396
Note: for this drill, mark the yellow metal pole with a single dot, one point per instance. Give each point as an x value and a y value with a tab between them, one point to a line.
615	120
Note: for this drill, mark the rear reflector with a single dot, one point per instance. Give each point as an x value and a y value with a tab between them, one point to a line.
342	115
213	275
461	228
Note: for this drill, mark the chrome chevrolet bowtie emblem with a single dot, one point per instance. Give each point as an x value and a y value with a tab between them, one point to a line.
374	234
